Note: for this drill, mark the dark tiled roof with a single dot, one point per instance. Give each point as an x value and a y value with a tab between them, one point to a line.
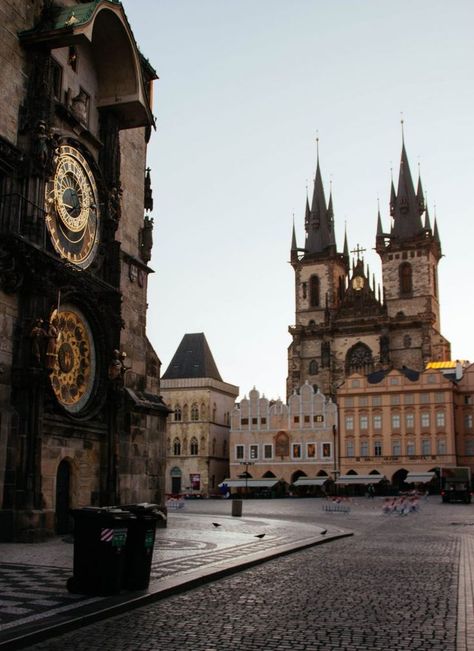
192	359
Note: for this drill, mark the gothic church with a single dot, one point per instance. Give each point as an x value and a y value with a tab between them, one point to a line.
344	324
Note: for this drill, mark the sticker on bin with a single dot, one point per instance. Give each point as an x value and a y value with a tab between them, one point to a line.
149	539
117	537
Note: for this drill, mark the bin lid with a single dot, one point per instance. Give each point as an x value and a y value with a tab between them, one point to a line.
109	512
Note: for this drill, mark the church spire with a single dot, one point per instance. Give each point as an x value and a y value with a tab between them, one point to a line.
405	205
319	223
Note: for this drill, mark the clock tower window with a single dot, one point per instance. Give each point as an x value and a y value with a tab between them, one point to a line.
405	275
314	291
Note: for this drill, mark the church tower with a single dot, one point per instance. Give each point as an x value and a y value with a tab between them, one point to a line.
344	322
320	282
410	254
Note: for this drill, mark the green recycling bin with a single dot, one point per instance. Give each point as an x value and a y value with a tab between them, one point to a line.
140	544
100	535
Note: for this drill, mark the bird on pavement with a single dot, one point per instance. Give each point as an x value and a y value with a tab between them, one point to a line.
323	532
259	535
216	524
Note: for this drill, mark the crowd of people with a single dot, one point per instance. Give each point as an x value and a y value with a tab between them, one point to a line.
402	505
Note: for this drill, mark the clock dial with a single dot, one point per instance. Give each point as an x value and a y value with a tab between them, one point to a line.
357	283
73	371
72	208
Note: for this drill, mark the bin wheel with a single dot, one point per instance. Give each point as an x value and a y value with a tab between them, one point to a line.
72	585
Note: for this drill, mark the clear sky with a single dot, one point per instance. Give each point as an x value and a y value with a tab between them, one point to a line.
245	86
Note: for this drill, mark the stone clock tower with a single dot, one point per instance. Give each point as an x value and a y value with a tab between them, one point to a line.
344	322
82	421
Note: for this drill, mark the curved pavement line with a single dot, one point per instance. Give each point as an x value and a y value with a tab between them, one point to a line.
158	590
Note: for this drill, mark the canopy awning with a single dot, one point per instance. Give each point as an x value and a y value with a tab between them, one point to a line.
359	479
308	481
419	477
249	483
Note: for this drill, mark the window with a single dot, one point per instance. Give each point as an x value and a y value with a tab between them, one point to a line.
326	450
376	401
410	420
194	446
245	421
355	384
177	413
409	399
425	446
364	422
467	421
395	421
425	398
313	367
263	421
350	448
307	419
405	276
441	446
296	419
396	448
359	359
318	418
349	422
378	448
349	401
254	451
57	73
296	451
394	381
469	446
364	448
314	289
254	421
268	451
239	451
425	419
395	399
194	412
363	401
377	421
311	450
439	397
468	400
440	419
177	447
411	448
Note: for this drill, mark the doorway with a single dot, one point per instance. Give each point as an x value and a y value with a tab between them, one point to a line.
63	498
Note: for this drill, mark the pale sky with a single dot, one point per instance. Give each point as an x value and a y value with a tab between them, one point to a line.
245	87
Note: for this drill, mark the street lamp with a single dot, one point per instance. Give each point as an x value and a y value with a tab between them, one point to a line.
246	464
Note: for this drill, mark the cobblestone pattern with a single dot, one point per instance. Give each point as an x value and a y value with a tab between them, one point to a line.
392	586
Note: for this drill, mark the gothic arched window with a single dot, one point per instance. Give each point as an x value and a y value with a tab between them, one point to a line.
194	446
177	447
359	359
194	412
314	290
177	412
313	367
405	272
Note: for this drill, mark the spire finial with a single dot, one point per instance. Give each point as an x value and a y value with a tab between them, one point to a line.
402	122
317	145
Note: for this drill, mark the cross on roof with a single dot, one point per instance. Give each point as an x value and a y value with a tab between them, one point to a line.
358	250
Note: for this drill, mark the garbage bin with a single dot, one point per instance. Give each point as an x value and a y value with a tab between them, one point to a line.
100	535
237	508
140	544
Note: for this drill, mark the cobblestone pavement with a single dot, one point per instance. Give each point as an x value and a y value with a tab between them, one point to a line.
394	585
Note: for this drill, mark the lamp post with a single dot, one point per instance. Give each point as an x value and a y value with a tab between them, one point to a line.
246	464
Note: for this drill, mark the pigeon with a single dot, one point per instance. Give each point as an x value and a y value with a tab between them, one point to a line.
259	535
323	532
216	524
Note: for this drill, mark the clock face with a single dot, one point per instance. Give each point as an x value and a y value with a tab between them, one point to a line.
357	283
73	370
72	208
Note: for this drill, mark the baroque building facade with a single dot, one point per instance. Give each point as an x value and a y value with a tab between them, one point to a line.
198	427
82	421
343	322
271	441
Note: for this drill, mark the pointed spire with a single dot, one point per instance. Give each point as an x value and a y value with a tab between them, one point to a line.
293	236
427	219
405	205
346	246
435	232
393	198
419	194
319	222
330	217
379	221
